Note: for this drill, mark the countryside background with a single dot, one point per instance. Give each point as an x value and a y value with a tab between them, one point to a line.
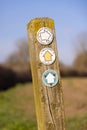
17	110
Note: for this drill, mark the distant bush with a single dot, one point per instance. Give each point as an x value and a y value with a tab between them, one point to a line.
13	74
9	77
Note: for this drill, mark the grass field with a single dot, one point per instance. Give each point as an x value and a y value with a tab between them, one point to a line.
17	111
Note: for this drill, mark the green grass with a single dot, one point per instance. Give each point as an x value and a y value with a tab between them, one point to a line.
12	114
17	111
77	123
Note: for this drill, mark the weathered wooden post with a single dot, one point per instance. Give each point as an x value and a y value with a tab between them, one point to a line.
45	73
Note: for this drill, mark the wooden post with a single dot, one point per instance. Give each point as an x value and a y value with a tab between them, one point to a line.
48	98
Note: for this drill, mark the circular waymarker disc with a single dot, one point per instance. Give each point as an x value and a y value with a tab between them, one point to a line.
44	36
50	78
47	56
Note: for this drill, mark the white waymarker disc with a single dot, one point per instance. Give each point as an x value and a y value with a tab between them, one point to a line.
47	56
44	36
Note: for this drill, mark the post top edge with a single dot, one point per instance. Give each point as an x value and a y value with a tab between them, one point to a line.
38	19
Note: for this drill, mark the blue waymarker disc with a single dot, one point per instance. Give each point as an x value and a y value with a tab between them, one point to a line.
50	78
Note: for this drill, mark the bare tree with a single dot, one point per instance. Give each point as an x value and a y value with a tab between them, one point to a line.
21	54
81	54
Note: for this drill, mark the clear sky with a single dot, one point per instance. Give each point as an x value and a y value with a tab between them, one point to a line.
70	18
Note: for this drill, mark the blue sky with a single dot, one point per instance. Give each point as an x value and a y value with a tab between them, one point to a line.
70	18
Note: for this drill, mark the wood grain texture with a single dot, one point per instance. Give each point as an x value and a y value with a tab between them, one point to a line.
48	101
